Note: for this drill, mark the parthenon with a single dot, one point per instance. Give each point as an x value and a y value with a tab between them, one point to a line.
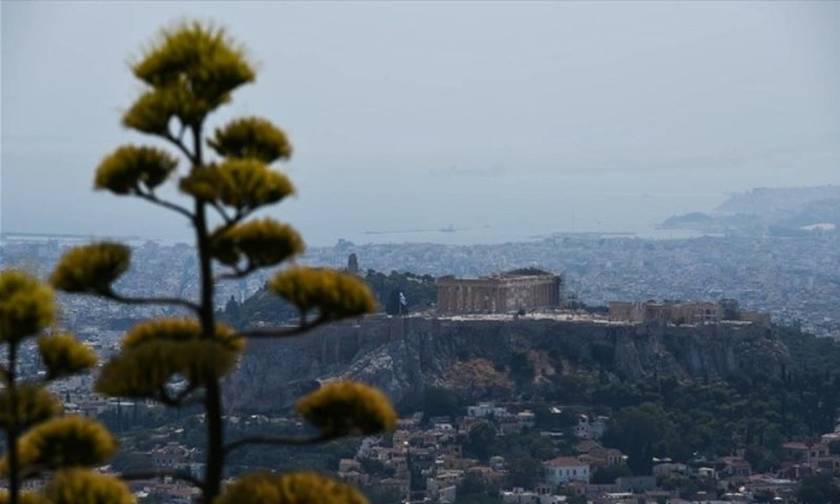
522	289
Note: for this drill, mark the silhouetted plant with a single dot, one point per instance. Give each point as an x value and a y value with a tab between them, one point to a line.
189	72
39	441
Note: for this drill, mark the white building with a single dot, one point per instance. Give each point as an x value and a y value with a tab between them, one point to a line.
539	496
561	470
590	428
487	409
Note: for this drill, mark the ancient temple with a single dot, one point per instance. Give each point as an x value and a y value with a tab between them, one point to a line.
522	289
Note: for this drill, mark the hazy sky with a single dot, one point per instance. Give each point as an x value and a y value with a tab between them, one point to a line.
507	119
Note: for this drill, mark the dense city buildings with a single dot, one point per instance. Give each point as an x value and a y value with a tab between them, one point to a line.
527	451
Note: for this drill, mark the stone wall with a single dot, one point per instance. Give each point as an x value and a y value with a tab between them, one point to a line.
693	312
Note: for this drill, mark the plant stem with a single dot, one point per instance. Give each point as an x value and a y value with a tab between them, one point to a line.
212	399
12	432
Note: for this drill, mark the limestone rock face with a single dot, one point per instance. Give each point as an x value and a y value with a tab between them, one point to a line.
482	359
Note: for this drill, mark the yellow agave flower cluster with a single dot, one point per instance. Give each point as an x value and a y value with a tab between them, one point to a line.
68	441
242	184
155	352
261	243
335	295
189	72
293	488
27	308
91	268
348	408
131	168
65	445
77	486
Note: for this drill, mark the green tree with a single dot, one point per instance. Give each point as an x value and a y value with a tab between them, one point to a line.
481	439
188	73
819	488
439	401
638	432
39	441
607	475
525	472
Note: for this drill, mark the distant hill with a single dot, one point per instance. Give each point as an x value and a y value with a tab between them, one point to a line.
766	200
783	211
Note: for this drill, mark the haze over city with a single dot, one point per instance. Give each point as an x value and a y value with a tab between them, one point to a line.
539	252
500	121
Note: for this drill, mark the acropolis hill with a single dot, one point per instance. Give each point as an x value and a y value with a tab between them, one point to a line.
532	290
474	355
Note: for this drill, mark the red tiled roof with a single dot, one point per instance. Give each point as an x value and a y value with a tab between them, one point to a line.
564	461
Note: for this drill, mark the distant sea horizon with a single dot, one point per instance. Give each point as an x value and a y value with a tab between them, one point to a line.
443	236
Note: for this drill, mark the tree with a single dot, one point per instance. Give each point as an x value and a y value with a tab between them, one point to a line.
525	472
439	401
188	73
819	488
481	439
637	431
40	441
607	475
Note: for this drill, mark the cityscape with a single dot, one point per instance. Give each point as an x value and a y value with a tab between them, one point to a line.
485	252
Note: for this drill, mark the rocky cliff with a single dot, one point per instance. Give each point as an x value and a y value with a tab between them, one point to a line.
493	358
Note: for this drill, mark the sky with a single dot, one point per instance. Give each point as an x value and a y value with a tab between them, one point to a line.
502	121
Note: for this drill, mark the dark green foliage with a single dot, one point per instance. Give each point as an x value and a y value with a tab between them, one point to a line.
420	291
819	489
524	471
546	419
712	417
482	498
603	354
263	306
474	489
607	475
481	440
381	495
638	432
376	467
521	367
441	402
